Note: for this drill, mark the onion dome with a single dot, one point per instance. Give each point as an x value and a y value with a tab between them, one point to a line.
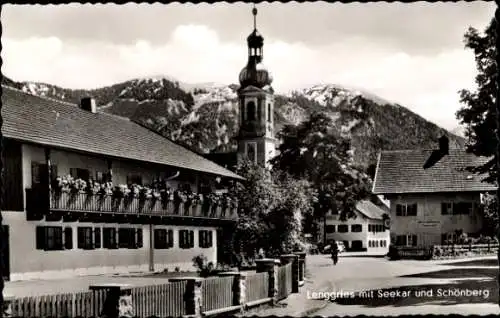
255	73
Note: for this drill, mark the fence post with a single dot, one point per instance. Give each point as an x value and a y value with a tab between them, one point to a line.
239	288
270	266
302	266
193	295
118	301
294	260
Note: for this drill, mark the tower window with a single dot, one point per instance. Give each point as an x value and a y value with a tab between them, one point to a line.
269	115
251	111
251	151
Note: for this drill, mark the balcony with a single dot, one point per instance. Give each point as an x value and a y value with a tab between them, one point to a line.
40	202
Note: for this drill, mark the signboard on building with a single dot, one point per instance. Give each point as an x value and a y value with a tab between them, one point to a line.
429	224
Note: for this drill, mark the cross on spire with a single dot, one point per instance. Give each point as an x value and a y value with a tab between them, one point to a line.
254	12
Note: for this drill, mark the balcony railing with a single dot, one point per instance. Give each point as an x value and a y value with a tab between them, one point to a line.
95	203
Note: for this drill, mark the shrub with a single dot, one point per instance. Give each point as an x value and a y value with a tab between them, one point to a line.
204	267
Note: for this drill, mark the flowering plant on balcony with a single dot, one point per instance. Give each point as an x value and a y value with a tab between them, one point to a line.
120	191
180	196
144	193
77	186
105	189
165	195
214	198
192	198
92	188
62	184
134	190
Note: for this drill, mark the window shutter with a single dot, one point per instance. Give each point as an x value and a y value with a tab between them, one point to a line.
191	239
68	238
398	210
81	238
182	238
210	239
414	239
97	237
40	238
139	238
415	209
170	234
58	233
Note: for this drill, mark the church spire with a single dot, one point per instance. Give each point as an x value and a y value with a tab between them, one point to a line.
254	12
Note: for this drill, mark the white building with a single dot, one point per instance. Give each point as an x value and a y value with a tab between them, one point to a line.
433	205
365	231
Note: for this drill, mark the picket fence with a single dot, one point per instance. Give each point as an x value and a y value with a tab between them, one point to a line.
284	281
162	300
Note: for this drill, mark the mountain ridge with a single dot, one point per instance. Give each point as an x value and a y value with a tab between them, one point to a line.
204	117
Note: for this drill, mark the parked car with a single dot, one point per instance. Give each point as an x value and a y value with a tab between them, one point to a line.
340	246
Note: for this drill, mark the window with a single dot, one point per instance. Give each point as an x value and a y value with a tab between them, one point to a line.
126	238
68	238
251	111
342	228
462	208
205	239
78	173
85	238
134	179
269	114
370	243
186	239
370	228
109	238
330	229
446	208
100	177
163	239
251	151
406	209
356	228
39	173
406	240
97	237
49	238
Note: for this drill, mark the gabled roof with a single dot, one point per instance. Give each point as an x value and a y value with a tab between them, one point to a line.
402	172
370	210
59	124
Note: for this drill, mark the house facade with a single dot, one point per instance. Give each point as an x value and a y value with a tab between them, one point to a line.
432	205
365	231
90	193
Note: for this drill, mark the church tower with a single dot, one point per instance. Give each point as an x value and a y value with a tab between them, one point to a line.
256	140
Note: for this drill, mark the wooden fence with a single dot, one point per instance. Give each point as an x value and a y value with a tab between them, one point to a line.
165	300
468	247
82	304
217	293
257	286
284	281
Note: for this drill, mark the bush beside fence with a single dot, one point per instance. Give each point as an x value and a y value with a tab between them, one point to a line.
176	298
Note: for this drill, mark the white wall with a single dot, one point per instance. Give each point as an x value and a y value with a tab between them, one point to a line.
429	224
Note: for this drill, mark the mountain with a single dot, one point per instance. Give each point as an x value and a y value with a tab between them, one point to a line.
204	117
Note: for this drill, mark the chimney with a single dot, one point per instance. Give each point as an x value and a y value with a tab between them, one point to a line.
88	104
444	145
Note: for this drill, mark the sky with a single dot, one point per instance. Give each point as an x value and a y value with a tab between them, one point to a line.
412	54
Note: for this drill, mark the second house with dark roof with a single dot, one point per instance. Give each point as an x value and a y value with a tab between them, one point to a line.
90	193
435	204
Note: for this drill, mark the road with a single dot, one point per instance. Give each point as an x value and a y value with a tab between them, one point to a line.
405	286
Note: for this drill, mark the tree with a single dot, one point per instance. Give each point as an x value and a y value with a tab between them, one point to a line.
316	152
271	206
478	113
481	112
